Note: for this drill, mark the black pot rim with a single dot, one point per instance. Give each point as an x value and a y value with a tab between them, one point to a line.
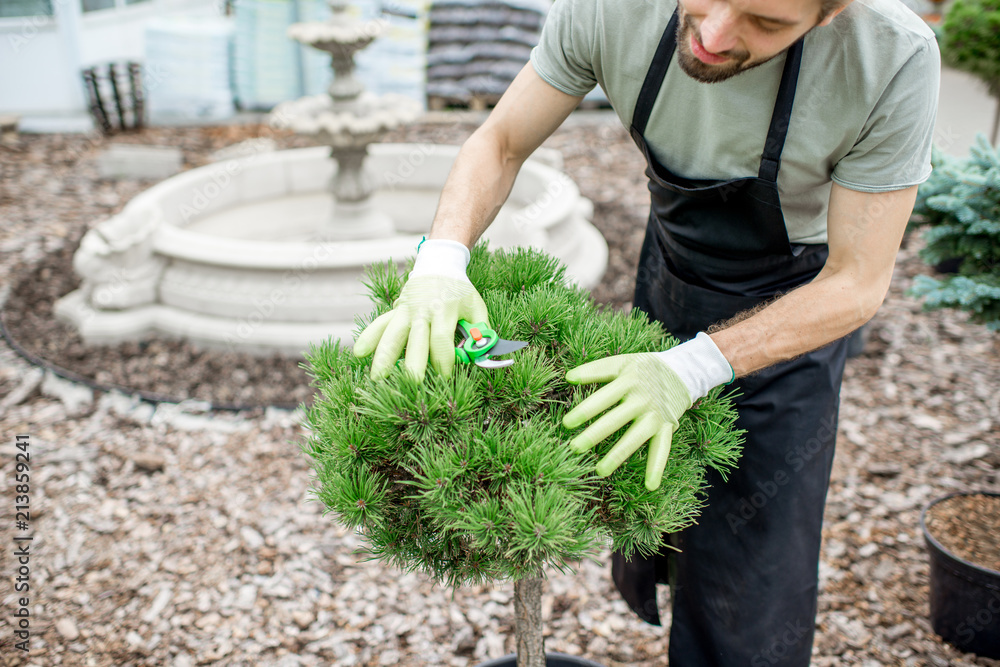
956	560
511	658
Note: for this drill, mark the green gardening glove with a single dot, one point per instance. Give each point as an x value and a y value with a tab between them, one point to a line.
649	395
436	295
652	391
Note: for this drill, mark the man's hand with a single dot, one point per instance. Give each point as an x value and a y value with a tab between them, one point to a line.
437	294
652	390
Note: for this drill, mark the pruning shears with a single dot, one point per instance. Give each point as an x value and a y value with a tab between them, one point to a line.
480	344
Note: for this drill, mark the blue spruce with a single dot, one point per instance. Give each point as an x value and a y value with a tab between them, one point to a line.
960	206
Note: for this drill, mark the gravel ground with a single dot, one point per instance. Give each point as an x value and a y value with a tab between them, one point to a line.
168	536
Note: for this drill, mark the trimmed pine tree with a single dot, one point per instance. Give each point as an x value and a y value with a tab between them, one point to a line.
960	206
470	479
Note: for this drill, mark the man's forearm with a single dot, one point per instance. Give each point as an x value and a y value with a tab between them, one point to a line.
478	185
801	321
484	171
864	230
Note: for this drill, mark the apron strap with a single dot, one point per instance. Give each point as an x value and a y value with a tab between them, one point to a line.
654	76
782	114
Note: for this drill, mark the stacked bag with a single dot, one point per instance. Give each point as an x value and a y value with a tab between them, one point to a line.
477	47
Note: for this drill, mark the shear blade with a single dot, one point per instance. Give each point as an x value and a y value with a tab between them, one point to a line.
503	347
487	362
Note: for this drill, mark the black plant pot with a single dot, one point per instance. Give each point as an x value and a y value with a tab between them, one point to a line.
965	598
551	660
949	266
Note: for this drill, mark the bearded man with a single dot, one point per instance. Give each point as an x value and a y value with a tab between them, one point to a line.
784	142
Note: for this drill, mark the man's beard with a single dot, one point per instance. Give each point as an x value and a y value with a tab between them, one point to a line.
739	61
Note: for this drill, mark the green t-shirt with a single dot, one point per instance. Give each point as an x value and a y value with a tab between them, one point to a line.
863	115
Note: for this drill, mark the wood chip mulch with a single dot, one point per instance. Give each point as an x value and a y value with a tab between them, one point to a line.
168	538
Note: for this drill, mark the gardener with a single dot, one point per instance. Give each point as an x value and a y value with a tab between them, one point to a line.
784	141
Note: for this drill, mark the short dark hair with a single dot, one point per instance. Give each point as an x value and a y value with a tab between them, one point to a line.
826	7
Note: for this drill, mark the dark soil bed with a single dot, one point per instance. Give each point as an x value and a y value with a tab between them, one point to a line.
164	369
969	527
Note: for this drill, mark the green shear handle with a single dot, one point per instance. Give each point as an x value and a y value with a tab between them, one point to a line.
480	343
479	339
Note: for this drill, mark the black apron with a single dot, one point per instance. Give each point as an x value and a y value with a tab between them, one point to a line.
744	583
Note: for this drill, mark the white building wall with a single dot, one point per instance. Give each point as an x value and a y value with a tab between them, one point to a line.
34	72
120	34
41	57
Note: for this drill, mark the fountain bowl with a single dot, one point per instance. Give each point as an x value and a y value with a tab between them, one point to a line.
243	255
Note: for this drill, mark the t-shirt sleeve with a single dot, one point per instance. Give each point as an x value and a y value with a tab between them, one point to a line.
893	150
564	55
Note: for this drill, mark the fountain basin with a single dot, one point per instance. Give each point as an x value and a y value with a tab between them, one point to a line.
228	255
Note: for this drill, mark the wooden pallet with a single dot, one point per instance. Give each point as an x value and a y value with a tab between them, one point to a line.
483	102
589	105
474	103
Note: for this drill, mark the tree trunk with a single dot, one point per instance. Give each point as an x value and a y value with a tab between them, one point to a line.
996	123
528	622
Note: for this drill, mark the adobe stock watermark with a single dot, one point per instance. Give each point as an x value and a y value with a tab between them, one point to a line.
416	159
796	459
265	306
406	166
30	26
792	635
106	291
874	213
221	178
202	196
527	218
981	621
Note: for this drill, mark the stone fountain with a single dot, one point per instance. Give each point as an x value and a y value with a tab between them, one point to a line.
265	253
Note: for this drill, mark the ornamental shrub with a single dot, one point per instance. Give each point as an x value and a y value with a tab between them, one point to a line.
470	478
960	205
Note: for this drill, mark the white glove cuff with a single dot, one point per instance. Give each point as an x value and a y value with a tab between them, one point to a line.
442	257
699	364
